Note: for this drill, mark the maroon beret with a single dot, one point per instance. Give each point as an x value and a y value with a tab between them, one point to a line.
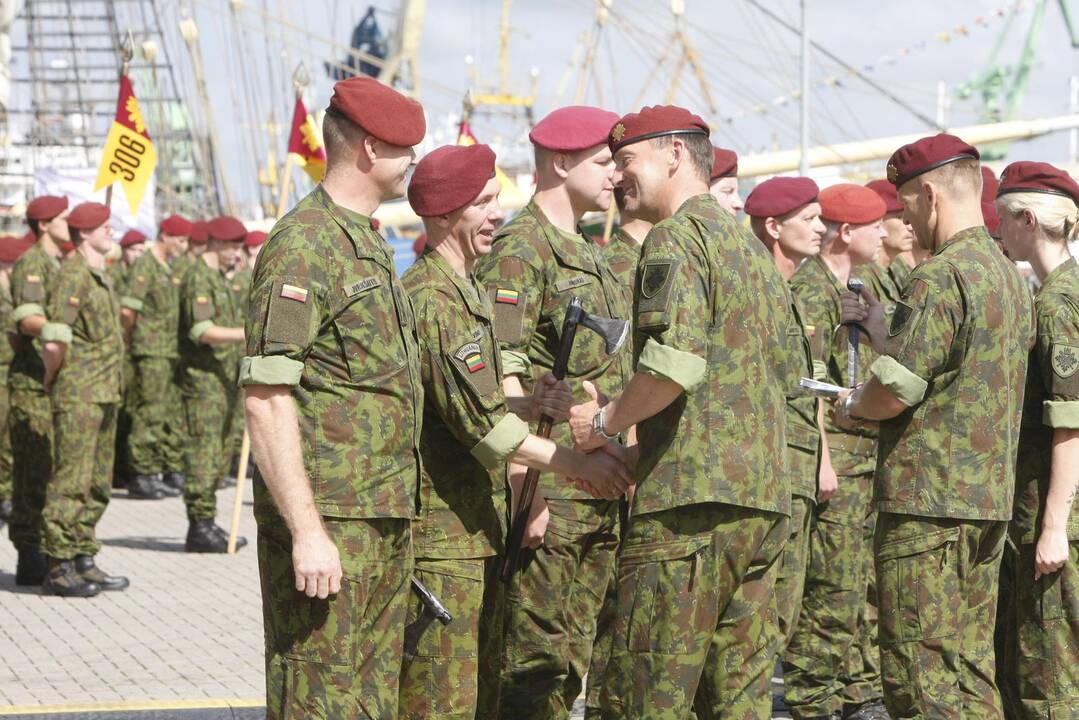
176	225
375	224
990	185
88	216
724	164
573	128
254	238
226	228
380	110
132	237
655	121
45	207
450	177
11	247
927	154
1025	176
780	195
887	193
200	233
992	219
67	247
850	203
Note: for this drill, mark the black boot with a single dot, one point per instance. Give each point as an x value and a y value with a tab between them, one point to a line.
166	489
84	565
175	480
144	487
241	541
31	567
64	581
203	536
870	710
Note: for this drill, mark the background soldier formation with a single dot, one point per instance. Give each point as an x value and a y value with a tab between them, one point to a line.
100	381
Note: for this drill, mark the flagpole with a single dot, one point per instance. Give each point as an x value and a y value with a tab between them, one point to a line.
127	52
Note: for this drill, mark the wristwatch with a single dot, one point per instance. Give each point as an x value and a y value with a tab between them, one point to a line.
597	426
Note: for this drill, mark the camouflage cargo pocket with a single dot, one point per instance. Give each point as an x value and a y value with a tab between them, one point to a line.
323	631
918	585
666	597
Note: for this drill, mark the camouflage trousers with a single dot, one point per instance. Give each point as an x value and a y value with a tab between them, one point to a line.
453	675
81	483
937	586
1038	637
30	428
208	412
156	441
121	454
601	647
6	482
695	630
338	658
236	427
793	565
552	606
823	666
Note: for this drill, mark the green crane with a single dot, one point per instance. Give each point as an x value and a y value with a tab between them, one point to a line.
1002	87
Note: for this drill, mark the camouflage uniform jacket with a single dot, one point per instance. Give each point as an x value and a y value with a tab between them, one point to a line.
7	348
531	274
153	291
467	431
31	282
712	315
86	316
899	272
206	300
803	434
818	290
240	283
956	355
329	317
622	254
1052	398
881	283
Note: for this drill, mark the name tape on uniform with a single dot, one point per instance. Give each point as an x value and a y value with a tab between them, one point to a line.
570	283
362	286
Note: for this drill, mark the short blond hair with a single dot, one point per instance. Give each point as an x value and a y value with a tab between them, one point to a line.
1058	215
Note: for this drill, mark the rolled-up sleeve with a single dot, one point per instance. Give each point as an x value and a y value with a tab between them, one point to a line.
677	366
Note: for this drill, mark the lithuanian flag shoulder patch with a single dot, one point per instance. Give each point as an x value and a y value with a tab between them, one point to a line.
507	296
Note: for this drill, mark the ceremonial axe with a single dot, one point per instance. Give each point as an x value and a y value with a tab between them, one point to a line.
614	334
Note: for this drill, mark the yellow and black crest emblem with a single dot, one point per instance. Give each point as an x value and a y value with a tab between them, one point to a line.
1065	360
619	132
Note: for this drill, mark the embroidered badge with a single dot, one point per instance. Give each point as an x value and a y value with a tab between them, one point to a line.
811	330
899	318
293	292
506	296
33	278
73	301
654	278
474	363
466	350
202	300
1065	360
362	286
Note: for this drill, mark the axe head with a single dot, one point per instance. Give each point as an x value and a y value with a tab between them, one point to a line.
614	332
855	285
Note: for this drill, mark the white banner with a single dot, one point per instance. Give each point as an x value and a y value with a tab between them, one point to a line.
77	185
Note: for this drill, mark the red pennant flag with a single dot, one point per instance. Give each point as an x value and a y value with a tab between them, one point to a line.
129	157
304	143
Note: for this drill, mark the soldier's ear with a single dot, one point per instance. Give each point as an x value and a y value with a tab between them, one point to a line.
561	164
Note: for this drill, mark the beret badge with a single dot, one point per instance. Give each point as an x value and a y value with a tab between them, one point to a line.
892	173
619	132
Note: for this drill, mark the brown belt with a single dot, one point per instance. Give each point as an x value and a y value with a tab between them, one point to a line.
853	444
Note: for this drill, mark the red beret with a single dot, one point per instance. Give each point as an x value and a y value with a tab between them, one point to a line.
655	121
254	238
176	225
132	237
1025	176
992	219
11	247
375	224
200	233
450	177
226	229
67	247
380	110
88	216
888	194
927	154
724	164
990	185
780	195
850	203
573	128
45	207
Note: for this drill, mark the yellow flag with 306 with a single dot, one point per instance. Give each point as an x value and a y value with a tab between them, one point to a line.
129	157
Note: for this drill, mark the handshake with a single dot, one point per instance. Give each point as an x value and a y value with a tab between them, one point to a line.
602	468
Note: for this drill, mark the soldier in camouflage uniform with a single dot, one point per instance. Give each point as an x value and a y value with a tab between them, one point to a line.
83	353
947	449
538	264
468	435
723	180
696	609
211	333
11	248
151	309
30	418
334	403
240	282
821	678
785	216
1038	621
